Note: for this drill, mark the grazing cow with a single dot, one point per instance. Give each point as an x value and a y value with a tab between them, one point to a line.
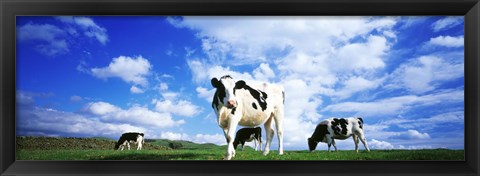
247	135
239	103
127	138
338	128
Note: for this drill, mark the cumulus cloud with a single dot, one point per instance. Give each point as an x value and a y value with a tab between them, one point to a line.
205	93
423	74
447	41
263	72
250	39
136	115
447	23
382	145
357	84
131	70
181	108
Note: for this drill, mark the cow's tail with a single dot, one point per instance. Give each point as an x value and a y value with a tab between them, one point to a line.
360	120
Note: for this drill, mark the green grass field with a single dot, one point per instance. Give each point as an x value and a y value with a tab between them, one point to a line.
95	149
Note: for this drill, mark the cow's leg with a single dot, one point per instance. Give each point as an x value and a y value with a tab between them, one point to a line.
329	141
139	144
255	142
279	126
355	140
334	145
260	147
243	145
364	140
128	145
232	126
269	131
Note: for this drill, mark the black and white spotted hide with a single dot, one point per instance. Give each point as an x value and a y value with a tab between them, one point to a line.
248	135
338	128
127	138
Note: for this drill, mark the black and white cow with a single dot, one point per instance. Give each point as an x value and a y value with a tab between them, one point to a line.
338	128
238	103
247	135
127	138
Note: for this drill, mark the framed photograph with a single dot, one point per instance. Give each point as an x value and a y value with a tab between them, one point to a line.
277	88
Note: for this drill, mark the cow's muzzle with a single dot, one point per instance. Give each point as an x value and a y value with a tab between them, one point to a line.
231	104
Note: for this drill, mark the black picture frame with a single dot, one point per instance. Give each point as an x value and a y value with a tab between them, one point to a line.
11	8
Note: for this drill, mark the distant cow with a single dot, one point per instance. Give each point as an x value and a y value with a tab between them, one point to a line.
247	135
238	103
338	128
127	138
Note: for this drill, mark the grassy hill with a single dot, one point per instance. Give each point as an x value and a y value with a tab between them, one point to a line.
57	143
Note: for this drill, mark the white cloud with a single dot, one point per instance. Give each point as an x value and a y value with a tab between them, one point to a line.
382	145
263	72
411	134
250	39
428	123
136	90
163	86
396	105
425	73
181	108
89	27
368	55
135	115
52	38
447	23
205	93
447	41
204	72
357	84
217	139
131	70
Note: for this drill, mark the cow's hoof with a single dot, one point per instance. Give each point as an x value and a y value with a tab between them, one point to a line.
265	153
280	153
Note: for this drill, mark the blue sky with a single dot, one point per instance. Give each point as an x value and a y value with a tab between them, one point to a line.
102	76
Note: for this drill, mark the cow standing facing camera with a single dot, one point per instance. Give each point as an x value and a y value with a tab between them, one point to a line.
238	103
127	138
338	128
247	135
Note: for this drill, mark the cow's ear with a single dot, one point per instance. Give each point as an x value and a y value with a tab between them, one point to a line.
215	82
240	84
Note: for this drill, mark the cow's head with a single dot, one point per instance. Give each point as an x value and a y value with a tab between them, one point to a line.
319	135
225	94
117	145
312	144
